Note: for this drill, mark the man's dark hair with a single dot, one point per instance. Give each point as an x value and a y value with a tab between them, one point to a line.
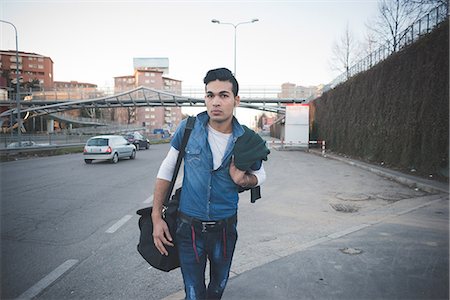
222	74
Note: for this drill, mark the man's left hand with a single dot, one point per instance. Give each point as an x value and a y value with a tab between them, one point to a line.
237	175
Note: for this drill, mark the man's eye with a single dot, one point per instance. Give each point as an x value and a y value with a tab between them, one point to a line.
223	96
210	96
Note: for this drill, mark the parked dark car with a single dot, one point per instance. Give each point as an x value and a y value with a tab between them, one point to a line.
138	140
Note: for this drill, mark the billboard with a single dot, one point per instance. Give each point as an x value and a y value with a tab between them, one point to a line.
297	125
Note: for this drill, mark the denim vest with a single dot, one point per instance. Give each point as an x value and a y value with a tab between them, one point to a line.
207	194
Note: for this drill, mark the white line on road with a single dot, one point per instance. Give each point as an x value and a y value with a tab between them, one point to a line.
48	280
118	224
149	199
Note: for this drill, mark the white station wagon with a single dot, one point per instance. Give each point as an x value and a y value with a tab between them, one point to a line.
108	147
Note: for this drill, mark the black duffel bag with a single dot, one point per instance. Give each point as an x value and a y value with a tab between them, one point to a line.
146	246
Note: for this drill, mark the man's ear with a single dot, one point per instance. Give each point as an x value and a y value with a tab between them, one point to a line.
237	101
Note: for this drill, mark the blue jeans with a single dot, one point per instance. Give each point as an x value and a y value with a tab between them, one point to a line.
195	247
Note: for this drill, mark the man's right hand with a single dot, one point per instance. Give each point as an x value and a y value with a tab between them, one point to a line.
161	235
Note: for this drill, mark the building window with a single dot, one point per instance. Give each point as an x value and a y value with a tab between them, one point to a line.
147	116
13	59
152	109
152	74
147	109
147	74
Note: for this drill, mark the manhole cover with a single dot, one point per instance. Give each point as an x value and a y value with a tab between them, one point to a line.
344	207
351	251
352	197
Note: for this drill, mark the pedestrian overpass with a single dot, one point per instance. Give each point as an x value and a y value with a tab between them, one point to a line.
138	97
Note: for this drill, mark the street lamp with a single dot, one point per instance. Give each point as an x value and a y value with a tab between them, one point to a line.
235	28
19	120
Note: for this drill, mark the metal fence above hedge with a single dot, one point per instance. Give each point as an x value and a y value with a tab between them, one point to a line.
419	28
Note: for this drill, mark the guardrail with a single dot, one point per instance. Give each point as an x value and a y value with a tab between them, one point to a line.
14	152
48	139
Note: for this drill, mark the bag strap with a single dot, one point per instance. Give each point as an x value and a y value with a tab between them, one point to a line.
187	132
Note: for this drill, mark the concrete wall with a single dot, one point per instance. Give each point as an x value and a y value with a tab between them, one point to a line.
396	113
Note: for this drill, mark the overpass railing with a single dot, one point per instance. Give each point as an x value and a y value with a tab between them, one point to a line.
52	94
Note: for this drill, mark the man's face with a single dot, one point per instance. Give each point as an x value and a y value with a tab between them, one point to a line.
220	101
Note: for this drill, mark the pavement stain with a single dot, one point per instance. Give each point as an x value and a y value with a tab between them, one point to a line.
351	251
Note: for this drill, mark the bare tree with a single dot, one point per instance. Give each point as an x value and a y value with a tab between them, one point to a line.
394	16
345	52
428	4
112	114
131	114
369	44
91	112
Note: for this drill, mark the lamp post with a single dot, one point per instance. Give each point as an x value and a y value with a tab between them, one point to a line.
235	29
19	120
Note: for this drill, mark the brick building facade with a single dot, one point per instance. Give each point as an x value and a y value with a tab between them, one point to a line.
31	66
148	117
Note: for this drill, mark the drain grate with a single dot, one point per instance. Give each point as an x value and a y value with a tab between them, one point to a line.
346	208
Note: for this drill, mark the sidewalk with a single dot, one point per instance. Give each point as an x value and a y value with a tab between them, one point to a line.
327	229
403	257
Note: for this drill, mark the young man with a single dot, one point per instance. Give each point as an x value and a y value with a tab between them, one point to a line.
206	225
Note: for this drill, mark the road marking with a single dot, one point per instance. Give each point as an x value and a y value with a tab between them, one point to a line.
48	280
118	224
149	199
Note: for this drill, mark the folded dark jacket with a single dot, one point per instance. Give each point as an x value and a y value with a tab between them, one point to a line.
249	150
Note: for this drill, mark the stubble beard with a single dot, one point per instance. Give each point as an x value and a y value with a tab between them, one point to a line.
220	120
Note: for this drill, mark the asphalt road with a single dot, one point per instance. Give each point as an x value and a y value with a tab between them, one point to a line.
69	230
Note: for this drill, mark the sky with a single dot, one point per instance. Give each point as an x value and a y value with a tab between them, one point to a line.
94	41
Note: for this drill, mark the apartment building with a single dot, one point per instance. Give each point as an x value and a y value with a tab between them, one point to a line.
31	66
291	90
150	118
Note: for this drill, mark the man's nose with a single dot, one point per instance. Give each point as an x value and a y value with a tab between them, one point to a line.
216	100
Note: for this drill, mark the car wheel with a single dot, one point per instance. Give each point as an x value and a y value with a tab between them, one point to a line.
88	161
147	145
115	158
137	146
133	154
